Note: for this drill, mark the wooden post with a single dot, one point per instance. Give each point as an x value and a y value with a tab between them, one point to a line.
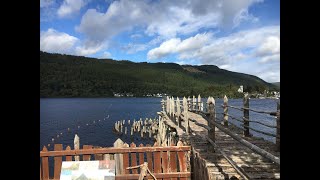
208	103
185	104
187	122
178	112
172	109
212	118
225	111
57	161
163	105
76	142
278	128
189	103
125	160
199	102
118	157
45	165
168	105
246	115
194	102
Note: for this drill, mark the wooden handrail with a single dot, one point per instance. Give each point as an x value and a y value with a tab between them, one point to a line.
113	150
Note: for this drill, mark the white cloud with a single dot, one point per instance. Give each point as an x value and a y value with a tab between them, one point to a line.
56	42
270	58
132	48
106	55
270	46
164	18
70	7
135	36
165	48
46	3
175	45
85	50
243	51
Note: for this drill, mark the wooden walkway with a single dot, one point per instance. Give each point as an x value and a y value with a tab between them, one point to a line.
214	165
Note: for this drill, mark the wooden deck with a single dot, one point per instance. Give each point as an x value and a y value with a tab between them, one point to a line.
253	165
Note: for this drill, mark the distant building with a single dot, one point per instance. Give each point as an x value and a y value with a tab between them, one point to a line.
240	90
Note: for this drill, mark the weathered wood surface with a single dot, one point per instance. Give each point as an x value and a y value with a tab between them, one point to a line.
57	162
212	165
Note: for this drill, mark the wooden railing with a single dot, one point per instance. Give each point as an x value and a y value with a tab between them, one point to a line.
209	113
163	162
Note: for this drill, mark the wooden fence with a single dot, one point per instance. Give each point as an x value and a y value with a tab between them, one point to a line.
164	162
209	113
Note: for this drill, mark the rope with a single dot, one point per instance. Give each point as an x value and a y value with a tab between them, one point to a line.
254	110
270	126
143	171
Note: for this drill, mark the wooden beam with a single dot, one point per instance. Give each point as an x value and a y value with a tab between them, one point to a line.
114	150
157	175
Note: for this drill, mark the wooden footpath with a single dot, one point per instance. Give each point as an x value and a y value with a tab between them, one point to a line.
229	159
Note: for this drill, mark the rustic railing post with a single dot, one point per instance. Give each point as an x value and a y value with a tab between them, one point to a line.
178	112
172	109
118	157
278	127
76	146
167	105
225	111
212	118
194	103
199	103
185	113
189	103
246	115
162	105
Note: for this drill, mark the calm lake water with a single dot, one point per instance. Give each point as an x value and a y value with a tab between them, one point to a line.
93	118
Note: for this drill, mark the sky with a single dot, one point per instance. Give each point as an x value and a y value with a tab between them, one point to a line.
236	35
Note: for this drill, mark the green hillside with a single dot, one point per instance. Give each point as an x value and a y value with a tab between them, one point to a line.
75	76
277	84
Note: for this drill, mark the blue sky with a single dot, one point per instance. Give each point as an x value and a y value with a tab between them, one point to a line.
237	35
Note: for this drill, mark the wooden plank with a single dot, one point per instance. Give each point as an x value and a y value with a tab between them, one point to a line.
86	157
45	165
165	164
57	162
133	159
40	172
149	159
113	150
157	160
157	175
98	157
141	157
68	158
182	157
107	157
125	160
173	162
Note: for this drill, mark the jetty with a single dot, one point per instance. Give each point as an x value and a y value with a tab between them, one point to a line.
191	141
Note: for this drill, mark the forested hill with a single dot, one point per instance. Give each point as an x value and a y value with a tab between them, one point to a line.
75	76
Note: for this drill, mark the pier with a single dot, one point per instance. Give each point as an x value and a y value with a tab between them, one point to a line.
191	142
